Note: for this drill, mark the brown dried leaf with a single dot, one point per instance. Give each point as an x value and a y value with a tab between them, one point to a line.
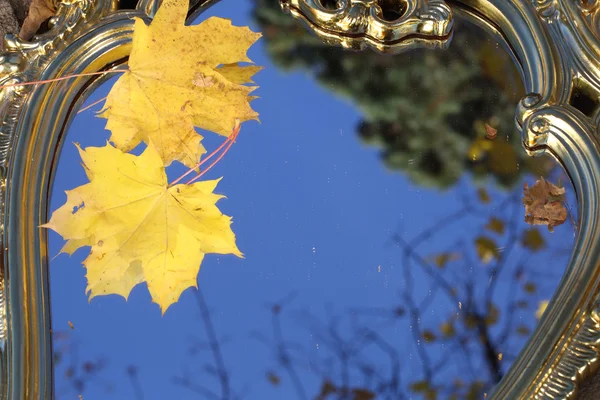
326	389
419	386
544	204
486	249
428	336
39	11
530	287
492	314
362	394
447	329
496	225
273	378
431	394
523	330
490	132
483	195
533	239
475	391
440	260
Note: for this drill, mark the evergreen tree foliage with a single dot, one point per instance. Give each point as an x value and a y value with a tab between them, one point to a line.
425	109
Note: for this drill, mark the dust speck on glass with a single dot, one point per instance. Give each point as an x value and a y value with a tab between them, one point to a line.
380	208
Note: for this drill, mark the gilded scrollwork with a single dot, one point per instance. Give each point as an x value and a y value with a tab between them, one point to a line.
579	360
388	26
589	10
555	43
23	61
548	9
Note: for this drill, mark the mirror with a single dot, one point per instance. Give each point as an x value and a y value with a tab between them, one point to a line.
379	205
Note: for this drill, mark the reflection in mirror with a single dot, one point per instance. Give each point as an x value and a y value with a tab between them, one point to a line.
380	208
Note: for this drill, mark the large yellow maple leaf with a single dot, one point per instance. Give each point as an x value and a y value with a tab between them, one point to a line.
140	228
180	77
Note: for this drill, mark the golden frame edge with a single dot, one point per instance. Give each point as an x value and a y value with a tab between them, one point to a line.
84	36
555	45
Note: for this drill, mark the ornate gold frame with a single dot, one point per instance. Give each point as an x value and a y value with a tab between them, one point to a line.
554	43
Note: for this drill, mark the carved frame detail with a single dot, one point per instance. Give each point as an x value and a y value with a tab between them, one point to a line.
554	43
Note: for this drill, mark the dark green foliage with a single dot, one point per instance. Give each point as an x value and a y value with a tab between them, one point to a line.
423	108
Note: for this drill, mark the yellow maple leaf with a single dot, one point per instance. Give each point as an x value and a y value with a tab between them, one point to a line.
496	225
180	77
441	259
533	240
541	308
486	249
140	228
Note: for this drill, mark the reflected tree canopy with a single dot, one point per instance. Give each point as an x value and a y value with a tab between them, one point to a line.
485	291
429	121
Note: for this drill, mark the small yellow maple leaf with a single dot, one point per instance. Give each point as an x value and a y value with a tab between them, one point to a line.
140	229
483	196
441	259
533	240
180	77
447	329
486	249
496	225
541	308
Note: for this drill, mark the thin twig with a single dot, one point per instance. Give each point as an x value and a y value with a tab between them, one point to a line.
215	348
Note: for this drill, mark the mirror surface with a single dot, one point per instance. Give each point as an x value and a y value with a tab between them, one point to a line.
379	206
